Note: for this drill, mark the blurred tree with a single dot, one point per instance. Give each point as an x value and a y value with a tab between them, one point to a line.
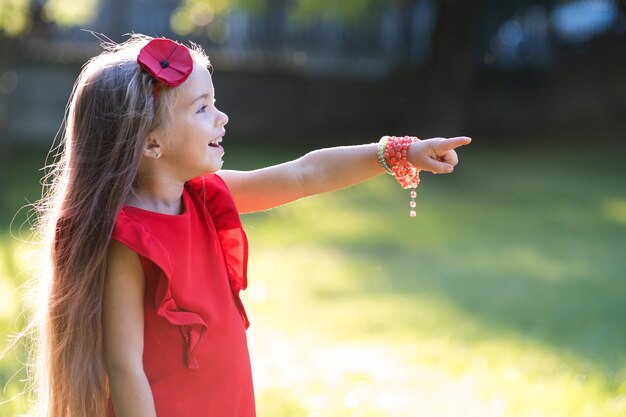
345	10
449	72
206	17
18	17
14	17
194	14
66	13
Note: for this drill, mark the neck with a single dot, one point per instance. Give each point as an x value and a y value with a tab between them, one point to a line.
157	194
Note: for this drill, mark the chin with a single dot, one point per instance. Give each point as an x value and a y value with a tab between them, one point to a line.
213	168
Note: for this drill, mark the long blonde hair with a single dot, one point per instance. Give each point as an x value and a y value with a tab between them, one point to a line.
110	113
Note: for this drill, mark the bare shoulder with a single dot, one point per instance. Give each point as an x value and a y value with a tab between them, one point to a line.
122	263
124	275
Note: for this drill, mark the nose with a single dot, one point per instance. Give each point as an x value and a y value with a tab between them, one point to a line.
222	118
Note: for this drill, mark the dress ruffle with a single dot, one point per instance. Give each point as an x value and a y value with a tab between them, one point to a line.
234	246
230	232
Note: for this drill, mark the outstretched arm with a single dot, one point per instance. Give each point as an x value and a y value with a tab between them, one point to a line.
329	170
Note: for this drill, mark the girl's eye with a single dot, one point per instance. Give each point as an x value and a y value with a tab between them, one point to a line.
203	109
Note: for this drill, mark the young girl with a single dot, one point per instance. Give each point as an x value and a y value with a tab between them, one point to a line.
147	254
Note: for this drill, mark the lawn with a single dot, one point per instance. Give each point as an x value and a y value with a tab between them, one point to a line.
506	296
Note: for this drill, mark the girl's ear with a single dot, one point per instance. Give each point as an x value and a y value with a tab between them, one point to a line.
152	146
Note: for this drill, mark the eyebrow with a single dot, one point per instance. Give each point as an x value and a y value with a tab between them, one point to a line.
202	96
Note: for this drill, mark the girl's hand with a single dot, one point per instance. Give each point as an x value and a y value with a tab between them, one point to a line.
436	155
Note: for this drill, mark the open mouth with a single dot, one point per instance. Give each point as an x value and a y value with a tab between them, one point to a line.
215	143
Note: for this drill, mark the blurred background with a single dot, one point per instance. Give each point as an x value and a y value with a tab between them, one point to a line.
505	297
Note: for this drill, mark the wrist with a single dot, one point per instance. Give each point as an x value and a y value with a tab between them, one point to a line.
393	156
415	155
382	145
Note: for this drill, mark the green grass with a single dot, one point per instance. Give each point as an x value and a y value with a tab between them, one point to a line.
506	296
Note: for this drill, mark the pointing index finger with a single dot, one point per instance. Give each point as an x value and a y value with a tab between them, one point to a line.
453	143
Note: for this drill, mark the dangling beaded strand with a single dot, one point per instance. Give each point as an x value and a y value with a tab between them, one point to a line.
413	204
392	155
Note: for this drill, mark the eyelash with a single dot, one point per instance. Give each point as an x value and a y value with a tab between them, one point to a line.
203	108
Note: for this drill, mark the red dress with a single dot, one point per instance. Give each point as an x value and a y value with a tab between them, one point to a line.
195	349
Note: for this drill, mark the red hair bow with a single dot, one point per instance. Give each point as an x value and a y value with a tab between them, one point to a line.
167	61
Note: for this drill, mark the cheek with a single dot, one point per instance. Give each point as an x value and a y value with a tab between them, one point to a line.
206	123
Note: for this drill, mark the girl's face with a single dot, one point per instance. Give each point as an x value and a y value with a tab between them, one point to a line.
194	127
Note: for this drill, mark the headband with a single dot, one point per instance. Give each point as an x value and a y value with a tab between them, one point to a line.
167	61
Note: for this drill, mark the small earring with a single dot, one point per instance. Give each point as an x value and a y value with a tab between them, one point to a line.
157	154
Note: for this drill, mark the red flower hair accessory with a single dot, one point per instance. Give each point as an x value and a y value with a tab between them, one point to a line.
167	61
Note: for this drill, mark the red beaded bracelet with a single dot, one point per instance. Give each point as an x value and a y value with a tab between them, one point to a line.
394	155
